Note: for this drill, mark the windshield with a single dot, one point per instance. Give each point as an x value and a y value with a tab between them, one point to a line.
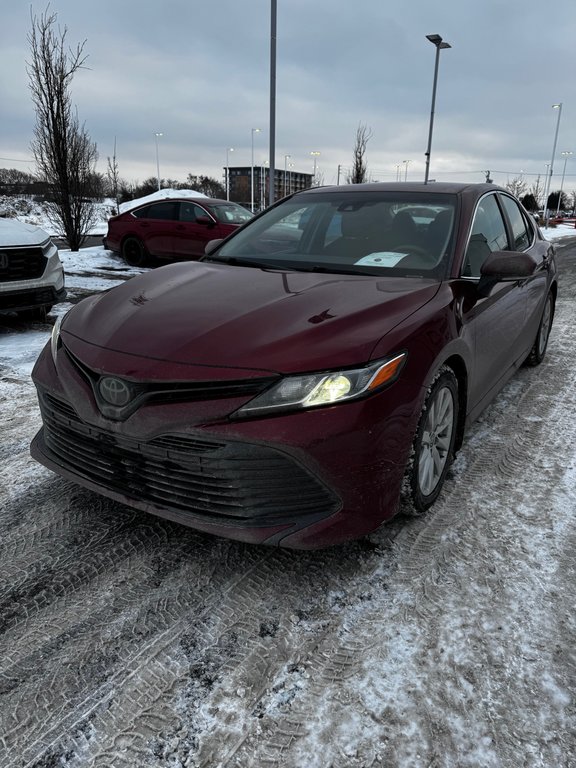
230	213
393	233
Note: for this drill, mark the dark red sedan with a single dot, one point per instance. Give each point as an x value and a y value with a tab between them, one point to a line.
313	374
172	229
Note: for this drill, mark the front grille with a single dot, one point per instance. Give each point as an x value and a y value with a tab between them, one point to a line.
21	299
171	392
217	480
21	264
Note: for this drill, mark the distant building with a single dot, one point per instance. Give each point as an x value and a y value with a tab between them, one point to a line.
285	182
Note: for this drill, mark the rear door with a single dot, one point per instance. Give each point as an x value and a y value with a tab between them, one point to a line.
154	226
525	239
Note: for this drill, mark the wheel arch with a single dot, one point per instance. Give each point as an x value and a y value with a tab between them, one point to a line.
458	368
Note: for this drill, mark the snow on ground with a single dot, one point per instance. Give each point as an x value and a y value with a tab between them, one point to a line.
445	641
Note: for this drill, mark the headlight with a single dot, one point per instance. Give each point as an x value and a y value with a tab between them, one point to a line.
316	389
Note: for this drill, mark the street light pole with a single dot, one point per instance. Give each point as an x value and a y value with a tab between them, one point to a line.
440	44
156	135
228	149
254	130
315	155
272	149
286	158
551	171
405	169
565	155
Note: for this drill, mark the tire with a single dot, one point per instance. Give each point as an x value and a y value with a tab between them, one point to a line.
36	314
433	447
538	351
134	252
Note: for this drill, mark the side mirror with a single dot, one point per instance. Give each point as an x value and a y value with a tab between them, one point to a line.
211	246
206	220
504	266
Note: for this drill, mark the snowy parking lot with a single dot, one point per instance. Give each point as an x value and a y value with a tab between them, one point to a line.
446	641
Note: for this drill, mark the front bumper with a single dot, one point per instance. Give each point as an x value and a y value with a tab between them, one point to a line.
301	480
43	291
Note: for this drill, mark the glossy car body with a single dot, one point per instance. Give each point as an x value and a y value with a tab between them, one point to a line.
314	368
172	229
31	275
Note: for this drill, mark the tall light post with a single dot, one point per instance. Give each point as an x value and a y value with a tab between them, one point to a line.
565	155
286	158
405	162
156	135
315	155
228	150
254	130
440	44
290	166
263	168
551	171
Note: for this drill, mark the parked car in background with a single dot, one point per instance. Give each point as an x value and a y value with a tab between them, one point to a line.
173	229
313	374
31	275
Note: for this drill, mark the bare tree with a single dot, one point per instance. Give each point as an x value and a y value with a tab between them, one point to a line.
64	154
537	189
359	173
113	177
517	186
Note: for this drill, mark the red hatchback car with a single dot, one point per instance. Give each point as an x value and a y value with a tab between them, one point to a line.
313	374
173	229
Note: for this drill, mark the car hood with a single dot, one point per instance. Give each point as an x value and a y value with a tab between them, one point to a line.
14	233
229	317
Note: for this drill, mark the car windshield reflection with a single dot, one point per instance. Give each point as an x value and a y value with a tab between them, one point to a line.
396	234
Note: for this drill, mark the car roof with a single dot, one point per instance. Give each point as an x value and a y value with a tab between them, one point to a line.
185	199
436	187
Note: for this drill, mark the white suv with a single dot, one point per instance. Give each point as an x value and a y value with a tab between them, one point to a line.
31	274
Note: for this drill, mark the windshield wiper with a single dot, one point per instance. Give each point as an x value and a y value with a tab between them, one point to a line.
235	262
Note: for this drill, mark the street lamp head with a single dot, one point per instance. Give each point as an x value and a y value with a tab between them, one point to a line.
556	106
158	134
437	41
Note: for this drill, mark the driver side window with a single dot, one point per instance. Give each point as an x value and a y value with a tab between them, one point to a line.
488	235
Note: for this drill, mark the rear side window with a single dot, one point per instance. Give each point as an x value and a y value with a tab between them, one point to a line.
521	235
488	235
166	211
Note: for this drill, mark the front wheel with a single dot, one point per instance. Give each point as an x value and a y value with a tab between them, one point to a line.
538	351
433	447
134	252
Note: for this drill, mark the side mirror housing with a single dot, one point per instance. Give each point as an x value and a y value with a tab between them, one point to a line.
505	266
211	246
206	220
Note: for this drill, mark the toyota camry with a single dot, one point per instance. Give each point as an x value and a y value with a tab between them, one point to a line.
313	374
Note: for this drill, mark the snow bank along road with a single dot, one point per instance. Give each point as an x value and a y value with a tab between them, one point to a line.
128	642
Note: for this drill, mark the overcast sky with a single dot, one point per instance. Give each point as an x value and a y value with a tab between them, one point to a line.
198	72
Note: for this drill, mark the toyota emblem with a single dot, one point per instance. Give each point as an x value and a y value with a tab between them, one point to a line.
114	391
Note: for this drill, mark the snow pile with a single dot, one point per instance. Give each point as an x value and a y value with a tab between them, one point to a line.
31	211
162	194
